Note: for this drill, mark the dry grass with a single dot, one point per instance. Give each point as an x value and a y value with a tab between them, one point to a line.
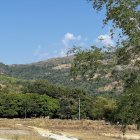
22	137
9	125
84	129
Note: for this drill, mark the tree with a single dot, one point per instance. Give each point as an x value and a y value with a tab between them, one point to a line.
125	15
103	107
128	108
88	62
9	106
128	20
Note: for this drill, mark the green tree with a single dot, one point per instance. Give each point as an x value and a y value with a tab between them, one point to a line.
128	20
9	106
86	62
128	108
103	107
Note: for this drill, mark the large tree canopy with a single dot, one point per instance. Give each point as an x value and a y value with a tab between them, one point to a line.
125	14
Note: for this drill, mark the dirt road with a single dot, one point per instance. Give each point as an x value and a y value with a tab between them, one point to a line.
48	134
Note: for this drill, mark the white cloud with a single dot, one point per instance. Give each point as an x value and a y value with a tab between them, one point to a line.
79	37
60	48
68	41
70	37
105	40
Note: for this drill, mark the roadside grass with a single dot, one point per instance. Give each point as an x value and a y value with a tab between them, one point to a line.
10	126
23	137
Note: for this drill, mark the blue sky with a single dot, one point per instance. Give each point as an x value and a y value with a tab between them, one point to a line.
34	30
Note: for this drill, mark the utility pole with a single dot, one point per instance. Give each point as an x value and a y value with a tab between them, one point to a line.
25	113
79	108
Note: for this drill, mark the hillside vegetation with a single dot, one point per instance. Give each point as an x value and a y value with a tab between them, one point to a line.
38	98
57	71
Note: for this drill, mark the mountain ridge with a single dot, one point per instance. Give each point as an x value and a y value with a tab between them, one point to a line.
56	71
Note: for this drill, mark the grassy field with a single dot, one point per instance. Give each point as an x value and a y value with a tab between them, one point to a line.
22	129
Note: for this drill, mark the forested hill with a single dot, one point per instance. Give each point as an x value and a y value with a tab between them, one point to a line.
56	71
38	70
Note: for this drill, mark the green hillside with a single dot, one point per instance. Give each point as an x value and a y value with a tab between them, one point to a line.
56	71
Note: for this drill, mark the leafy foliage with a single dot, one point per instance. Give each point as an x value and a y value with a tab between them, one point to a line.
39	98
127	111
86	63
103	107
128	20
27	105
125	68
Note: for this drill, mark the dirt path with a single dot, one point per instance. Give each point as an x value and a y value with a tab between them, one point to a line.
48	134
